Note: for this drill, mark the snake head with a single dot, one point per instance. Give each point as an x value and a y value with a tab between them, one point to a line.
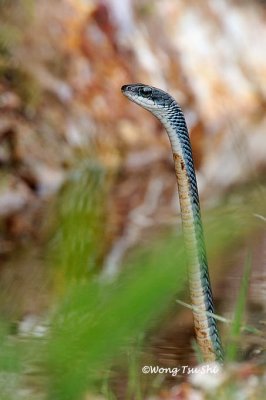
148	97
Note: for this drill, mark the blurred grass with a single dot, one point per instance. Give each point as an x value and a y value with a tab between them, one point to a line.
10	364
95	323
134	367
78	244
9	359
238	320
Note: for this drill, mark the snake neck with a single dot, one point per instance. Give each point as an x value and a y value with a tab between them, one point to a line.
199	281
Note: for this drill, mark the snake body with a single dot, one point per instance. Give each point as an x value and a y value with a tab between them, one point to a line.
165	108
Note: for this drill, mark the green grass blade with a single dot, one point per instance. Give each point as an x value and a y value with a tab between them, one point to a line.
97	322
235	332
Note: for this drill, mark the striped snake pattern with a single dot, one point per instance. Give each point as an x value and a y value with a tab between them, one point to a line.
165	108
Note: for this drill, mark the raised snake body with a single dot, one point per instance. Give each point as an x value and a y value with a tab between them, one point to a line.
165	108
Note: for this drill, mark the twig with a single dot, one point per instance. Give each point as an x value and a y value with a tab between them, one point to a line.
260	217
219	318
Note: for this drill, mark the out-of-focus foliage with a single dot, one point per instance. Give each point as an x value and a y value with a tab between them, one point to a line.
97	321
235	334
9	356
10	364
80	223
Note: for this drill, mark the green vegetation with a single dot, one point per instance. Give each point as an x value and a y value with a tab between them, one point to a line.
96	323
78	243
10	364
235	332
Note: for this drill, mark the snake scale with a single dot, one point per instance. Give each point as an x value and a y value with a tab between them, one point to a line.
165	108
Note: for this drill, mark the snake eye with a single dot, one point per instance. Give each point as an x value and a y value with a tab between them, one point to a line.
145	91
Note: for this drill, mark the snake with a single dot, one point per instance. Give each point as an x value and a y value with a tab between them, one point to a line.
165	108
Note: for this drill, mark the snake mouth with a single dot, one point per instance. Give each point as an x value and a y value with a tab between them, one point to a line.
129	88
129	91
125	88
140	94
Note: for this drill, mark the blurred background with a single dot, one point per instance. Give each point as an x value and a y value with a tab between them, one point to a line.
89	212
